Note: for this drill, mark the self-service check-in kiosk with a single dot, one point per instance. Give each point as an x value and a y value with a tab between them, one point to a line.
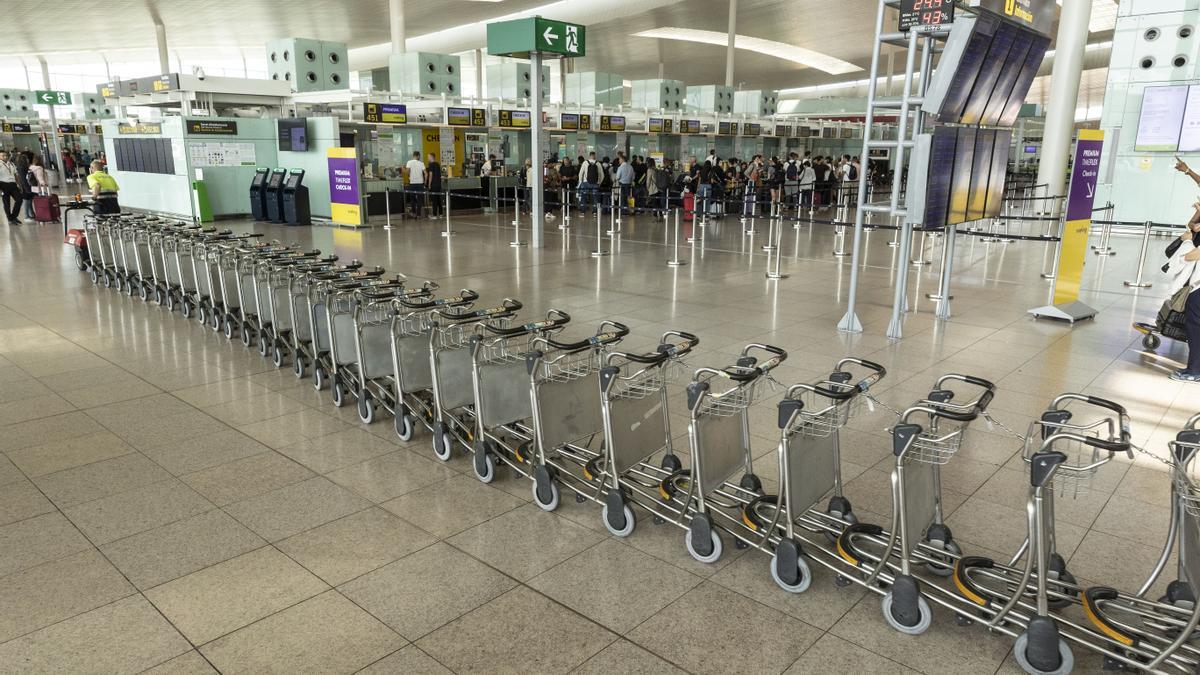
275	195
258	193
295	199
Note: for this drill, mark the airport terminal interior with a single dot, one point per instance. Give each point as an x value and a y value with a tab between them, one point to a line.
721	336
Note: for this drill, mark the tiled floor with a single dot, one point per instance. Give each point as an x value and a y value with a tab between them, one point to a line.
170	501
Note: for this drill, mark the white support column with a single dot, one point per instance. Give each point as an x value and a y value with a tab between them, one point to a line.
160	36
479	75
54	147
398	27
1064	94
535	140
729	44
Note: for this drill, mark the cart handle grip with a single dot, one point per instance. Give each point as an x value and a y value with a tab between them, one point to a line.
968	416
778	355
616	332
555	318
506	307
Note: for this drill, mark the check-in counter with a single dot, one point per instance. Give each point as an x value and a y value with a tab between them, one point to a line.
499	187
381	194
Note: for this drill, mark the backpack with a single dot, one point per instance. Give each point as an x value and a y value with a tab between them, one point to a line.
853	172
793	171
31	178
661	179
606	179
593	173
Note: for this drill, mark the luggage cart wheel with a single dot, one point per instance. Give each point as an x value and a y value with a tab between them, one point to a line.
484	463
79	261
185	309
318	378
228	325
143	293
1179	593
366	409
202	315
702	541
246	336
107	280
1035	650
95	276
404	426
339	396
442	446
789	570
158	296
670	462
216	321
751	482
116	282
298	367
277	356
1058	571
170	300
905	609
618	518
939	537
1151	341
545	489
264	345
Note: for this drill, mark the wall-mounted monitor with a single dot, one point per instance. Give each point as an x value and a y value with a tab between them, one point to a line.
293	134
1189	130
1161	119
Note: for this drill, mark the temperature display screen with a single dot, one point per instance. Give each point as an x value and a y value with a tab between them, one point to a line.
925	13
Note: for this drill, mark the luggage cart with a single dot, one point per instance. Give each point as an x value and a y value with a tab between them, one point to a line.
166	278
189	262
99	250
135	249
920	450
635	426
719	438
372	372
235	264
1151	634
255	285
310	294
111	237
336	299
408	395
810	420
207	258
500	391
450	363
564	380
1061	456
278	315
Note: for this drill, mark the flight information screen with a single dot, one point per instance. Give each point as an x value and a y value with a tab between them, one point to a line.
925	13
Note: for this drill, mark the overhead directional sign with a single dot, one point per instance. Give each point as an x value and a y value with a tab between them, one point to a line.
520	37
50	97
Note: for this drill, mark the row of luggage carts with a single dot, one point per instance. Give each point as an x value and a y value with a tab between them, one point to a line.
583	415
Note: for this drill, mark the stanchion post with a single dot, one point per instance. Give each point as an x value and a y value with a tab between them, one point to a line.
1053	273
516	242
675	260
944	283
777	247
566	209
516	206
839	238
599	251
447	232
387	203
1137	282
920	259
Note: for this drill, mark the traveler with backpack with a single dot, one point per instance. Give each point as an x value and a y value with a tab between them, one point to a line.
806	183
605	188
589	181
791	179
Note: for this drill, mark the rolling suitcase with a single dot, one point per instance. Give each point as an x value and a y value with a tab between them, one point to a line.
689	205
45	208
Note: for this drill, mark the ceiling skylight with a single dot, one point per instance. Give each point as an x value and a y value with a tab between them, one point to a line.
805	57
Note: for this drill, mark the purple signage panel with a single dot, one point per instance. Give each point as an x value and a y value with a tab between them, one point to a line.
344	198
1084	173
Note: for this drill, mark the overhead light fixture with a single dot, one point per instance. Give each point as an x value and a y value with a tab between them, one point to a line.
782	50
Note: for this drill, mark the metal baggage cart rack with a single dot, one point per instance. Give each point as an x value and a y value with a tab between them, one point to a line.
372	316
306	310
1074	477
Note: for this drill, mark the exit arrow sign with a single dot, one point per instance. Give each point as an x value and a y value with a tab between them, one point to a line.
520	37
50	97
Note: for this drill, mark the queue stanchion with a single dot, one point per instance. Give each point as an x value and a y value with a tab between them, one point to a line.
1053	273
565	196
614	220
944	281
387	203
675	260
1105	235
516	207
599	250
770	245
447	232
1138	282
839	241
921	260
516	242
776	245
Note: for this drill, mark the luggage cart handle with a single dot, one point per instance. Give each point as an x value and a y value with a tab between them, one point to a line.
614	333
555	319
1122	416
878	372
838	395
778	355
465	297
967	416
666	350
506	307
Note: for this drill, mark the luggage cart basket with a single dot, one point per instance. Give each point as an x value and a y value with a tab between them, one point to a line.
412	377
719	439
918	533
450	368
254	284
235	263
374	376
564	381
278	315
633	414
810	419
501	392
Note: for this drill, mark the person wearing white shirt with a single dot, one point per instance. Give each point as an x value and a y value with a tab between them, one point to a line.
9	192
416	184
1184	266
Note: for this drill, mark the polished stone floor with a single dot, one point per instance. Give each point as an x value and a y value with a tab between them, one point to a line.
171	502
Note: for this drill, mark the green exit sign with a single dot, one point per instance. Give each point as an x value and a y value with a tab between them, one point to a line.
52	97
520	37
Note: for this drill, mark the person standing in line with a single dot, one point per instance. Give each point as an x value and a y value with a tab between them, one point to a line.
433	183
589	181
416	184
22	161
10	191
808	179
625	176
567	173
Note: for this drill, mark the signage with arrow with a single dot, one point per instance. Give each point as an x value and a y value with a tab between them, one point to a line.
50	97
521	37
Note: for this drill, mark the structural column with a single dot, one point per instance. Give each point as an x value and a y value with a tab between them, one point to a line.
1064	94
729	45
160	35
396	22
54	147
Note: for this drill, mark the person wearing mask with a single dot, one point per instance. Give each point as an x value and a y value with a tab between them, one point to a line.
589	181
433	183
625	176
416	184
1185	275
10	191
104	190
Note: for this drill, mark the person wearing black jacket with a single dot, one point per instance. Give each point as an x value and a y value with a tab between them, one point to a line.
433	184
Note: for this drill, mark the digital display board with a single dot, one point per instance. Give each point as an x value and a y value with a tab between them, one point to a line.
568	122
1001	149
960	173
293	134
654	125
1189	132
1002	91
668	126
1029	70
1161	121
990	70
925	13
514	119
277	177
16	128
725	128
612	123
783	130
211	127
751	129
937	185
585	122
689	126
458	117
385	113
971	62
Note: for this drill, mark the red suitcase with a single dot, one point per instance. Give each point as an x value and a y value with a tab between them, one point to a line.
689	205
45	208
